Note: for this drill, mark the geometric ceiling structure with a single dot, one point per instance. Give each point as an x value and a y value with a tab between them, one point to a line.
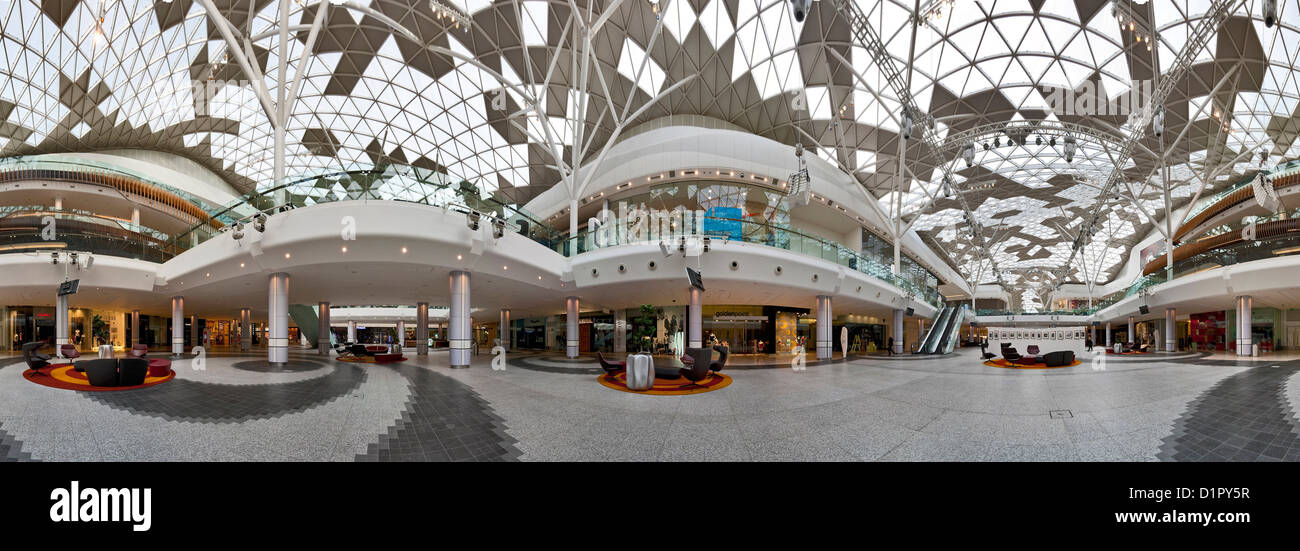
85	75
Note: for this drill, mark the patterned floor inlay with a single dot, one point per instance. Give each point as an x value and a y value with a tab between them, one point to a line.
10	448
1244	417
185	400
263	366
444	420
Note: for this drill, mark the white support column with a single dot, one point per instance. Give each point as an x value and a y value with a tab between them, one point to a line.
277	319
1132	331
61	324
899	314
695	320
571	327
178	326
135	329
352	331
1171	336
400	341
1245	342
459	331
824	343
135	219
620	331
194	331
422	329
503	329
1108	338
323	333
245	329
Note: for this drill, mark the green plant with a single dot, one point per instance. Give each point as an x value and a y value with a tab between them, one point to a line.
643	328
99	329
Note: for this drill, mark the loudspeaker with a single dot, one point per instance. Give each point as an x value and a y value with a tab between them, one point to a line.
1144	310
910	310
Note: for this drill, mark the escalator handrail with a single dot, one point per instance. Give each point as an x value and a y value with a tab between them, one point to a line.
931	342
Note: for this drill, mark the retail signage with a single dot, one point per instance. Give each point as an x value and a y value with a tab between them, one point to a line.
731	317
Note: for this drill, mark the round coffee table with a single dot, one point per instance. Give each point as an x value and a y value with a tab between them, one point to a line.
159	367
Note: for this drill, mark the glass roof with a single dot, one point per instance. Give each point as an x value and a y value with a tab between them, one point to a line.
454	99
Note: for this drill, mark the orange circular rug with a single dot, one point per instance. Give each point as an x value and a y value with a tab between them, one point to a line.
67	378
1003	363
667	387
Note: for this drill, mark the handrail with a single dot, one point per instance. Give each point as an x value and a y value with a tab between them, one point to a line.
781	237
1262	231
19	169
1235	194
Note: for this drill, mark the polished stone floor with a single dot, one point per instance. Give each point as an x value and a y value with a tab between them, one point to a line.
543	407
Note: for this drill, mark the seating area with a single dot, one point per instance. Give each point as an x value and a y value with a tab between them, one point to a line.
1033	357
699	373
132	371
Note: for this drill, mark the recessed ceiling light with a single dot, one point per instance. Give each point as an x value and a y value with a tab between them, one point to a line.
403	250
209	274
457	257
286	255
241	264
344	249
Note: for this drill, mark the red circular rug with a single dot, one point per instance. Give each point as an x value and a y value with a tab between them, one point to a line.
667	387
1003	363
67	378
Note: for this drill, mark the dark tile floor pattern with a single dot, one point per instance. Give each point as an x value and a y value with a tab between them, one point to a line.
11	449
444	420
263	366
193	401
1244	417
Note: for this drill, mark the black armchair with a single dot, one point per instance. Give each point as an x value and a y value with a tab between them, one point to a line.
360	350
35	360
697	369
103	372
610	367
1009	353
721	362
131	371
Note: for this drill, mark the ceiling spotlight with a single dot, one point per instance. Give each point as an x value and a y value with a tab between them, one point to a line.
1052	141
90	261
968	154
1070	146
239	231
907	124
997	142
1158	121
72	258
986	146
498	228
947	187
472	219
54	258
1270	12
1039	141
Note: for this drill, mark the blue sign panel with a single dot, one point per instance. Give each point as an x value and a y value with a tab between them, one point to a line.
730	229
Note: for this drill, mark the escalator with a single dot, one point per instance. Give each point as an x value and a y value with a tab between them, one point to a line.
307	321
931	341
953	331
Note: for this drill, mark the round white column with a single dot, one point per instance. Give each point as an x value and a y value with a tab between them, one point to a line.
352	331
1171	338
503	329
60	324
1245	342
422	328
245	329
571	327
824	343
323	333
1108	338
277	319
695	319
459	335
620	331
1132	332
899	314
135	329
178	326
194	331
400	341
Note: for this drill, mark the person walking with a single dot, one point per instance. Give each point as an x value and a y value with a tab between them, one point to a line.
891	346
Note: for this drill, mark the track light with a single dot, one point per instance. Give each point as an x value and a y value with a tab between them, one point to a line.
54	258
498	228
472	219
907	124
968	154
1069	149
238	232
72	258
259	222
